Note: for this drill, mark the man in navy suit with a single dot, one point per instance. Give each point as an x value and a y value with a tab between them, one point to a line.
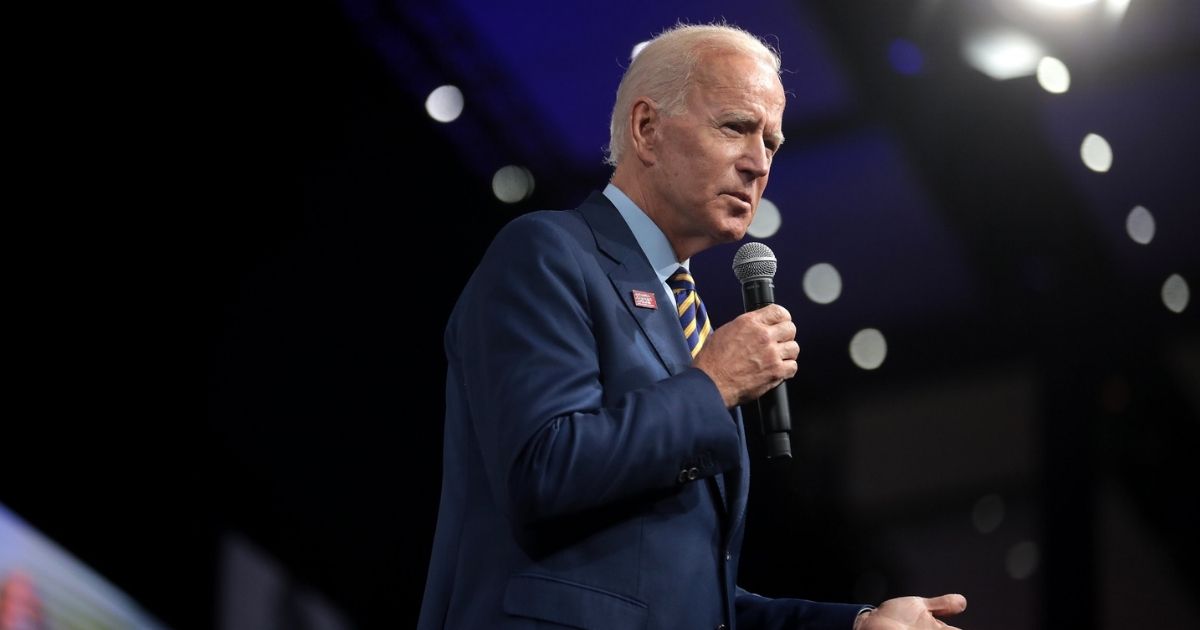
595	468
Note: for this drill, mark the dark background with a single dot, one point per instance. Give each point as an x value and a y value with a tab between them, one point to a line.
324	224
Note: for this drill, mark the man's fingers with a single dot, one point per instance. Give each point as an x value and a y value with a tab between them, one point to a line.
945	605
774	314
783	331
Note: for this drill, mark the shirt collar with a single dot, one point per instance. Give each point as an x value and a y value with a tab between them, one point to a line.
649	237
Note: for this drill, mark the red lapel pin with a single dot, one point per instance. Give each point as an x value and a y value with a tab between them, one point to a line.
645	299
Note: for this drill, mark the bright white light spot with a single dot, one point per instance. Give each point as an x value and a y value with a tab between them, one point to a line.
1175	293
1140	225
637	49
444	103
822	283
1064	4
1053	75
1059	8
512	184
1002	54
1064	11
868	349
1096	153
988	513
1115	9
766	219
1022	560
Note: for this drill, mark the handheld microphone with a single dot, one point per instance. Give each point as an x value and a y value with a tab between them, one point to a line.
754	265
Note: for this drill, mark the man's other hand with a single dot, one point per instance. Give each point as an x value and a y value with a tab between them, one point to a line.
911	613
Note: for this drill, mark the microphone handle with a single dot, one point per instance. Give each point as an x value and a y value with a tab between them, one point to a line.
773	405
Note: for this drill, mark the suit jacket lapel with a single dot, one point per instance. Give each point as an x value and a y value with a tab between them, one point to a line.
632	272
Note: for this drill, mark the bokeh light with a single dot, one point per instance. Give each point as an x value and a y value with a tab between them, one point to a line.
766	220
1002	54
868	349
1096	153
445	103
1053	76
1175	293
822	283
512	184
1140	225
905	57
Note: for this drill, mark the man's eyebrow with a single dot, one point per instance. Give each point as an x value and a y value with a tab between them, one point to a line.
740	117
747	118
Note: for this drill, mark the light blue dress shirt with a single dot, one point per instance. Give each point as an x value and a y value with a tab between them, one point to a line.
653	242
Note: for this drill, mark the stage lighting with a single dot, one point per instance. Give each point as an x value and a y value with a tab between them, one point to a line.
822	283
868	349
766	220
1003	54
1115	9
905	57
1175	293
1096	153
1053	75
511	184
1140	225
1050	8
1074	13
1061	4
445	103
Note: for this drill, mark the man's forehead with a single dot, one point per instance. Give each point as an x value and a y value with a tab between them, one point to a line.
735	78
739	103
729	66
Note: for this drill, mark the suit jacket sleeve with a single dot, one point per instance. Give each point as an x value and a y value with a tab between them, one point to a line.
755	612
554	442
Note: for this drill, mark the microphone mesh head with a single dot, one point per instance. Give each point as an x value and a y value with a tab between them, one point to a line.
753	261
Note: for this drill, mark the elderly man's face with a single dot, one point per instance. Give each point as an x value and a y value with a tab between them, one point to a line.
715	157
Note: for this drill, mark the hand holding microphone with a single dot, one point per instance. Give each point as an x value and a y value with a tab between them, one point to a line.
750	357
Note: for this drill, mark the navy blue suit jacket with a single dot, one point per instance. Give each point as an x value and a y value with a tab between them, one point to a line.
592	478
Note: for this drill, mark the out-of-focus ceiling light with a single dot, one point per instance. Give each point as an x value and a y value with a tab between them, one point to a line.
1002	54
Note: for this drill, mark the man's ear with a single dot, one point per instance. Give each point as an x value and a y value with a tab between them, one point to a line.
645	127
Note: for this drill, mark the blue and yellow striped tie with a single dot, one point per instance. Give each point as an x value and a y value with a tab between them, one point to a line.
692	316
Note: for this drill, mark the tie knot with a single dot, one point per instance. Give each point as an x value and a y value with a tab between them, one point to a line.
681	280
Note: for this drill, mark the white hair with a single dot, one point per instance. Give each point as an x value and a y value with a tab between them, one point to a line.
663	70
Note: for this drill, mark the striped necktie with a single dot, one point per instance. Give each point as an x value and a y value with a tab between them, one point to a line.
692	316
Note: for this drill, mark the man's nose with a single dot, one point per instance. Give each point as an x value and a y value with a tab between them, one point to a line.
755	160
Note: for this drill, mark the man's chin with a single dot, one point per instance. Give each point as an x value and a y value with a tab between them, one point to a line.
735	234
